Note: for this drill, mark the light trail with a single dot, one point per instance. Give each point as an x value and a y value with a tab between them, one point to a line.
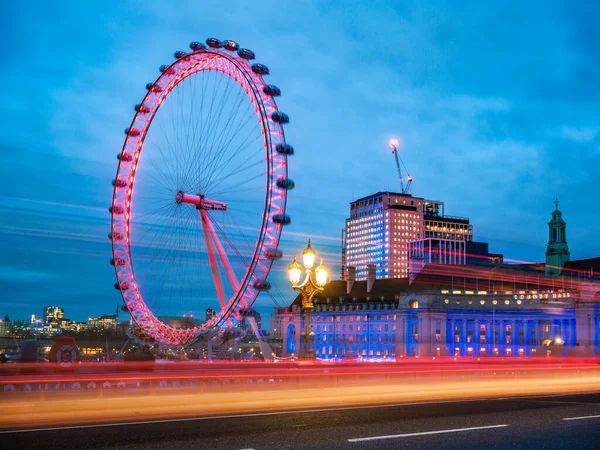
176	391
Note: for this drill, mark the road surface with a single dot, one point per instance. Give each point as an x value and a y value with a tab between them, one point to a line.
535	422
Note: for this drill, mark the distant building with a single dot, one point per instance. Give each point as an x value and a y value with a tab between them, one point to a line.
210	313
103	322
277	323
40	328
478	253
53	314
6	327
75	326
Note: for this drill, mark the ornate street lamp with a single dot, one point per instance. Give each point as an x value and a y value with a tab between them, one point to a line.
312	284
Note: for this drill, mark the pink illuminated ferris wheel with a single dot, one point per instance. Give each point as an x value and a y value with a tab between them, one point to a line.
200	193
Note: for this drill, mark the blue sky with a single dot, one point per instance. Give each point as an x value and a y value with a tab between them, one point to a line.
497	109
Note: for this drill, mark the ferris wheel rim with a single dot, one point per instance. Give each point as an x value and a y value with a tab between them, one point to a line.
185	66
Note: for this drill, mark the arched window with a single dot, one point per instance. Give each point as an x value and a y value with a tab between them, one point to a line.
291	336
413	304
554	235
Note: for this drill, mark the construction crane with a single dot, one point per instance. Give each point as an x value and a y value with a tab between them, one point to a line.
404	189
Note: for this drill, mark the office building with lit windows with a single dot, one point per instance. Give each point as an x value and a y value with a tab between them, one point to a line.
387	229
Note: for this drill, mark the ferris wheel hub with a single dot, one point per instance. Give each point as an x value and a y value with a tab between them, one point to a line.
200	201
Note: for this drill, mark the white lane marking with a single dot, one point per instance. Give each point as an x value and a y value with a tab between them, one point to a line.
424	433
582	417
518	397
233	416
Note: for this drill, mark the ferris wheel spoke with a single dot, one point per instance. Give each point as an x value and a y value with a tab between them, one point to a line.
192	141
214	173
165	214
239	171
212	119
169	263
217	130
221	146
166	157
210	171
157	241
214	177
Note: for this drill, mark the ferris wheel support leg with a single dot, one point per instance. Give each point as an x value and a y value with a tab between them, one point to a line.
222	255
213	262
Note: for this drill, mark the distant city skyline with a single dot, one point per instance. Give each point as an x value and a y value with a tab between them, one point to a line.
496	112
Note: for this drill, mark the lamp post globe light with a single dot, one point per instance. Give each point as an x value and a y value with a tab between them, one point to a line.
314	282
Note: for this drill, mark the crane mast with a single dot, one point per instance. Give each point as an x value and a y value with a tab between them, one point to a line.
403	188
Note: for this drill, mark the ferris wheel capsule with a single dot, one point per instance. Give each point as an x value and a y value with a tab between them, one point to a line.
285	183
272	253
197	46
232	46
126	157
142	109
119	183
280	117
132	132
214	43
262	285
260	69
284	149
180	54
153	87
282	219
246	54
115	236
123	286
271	90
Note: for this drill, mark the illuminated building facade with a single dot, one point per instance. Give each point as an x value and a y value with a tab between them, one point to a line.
445	309
53	314
387	229
452	311
5	327
105	321
378	232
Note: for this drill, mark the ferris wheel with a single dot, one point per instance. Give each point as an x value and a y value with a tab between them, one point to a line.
200	193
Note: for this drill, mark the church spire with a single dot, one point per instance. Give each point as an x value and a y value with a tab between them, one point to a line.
557	250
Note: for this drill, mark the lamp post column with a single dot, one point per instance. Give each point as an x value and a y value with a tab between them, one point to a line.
313	283
309	335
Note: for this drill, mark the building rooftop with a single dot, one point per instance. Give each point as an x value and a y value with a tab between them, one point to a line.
377	194
584	265
515	277
388	288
